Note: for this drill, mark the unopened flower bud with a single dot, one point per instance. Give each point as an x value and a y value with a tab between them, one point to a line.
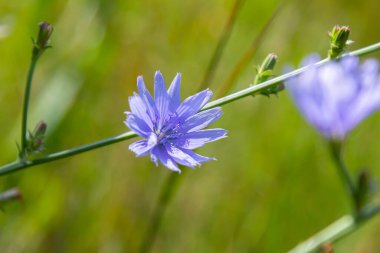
44	34
42	41
40	129
264	72
266	68
35	141
338	40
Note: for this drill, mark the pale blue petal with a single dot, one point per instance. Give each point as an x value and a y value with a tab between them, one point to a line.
181	157
154	158
174	93
137	125
148	100
186	157
310	60
309	93
369	72
198	157
197	139
368	101
143	147
160	152
139	147
193	104
201	120
139	108
161	98
338	95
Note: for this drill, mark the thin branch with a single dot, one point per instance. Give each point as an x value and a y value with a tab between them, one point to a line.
336	231
18	165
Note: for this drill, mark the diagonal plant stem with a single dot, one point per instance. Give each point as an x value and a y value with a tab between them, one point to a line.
336	231
333	232
210	72
272	82
19	165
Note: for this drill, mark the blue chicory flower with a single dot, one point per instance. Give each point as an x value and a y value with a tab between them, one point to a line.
171	129
337	96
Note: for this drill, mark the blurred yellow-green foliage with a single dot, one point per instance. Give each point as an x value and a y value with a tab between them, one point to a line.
273	185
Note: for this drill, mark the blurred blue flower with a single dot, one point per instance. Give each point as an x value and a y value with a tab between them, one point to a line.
335	97
171	129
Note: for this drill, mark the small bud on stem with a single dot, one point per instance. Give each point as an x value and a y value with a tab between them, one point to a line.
266	68
42	42
338	40
35	140
264	72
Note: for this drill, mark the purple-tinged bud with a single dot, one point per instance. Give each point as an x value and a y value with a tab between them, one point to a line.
40	129
43	37
44	34
35	141
338	40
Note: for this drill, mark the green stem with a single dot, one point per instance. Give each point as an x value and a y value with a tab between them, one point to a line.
24	120
167	191
336	231
272	82
15	166
336	153
18	165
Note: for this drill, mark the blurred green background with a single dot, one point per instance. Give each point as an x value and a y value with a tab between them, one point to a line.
273	185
